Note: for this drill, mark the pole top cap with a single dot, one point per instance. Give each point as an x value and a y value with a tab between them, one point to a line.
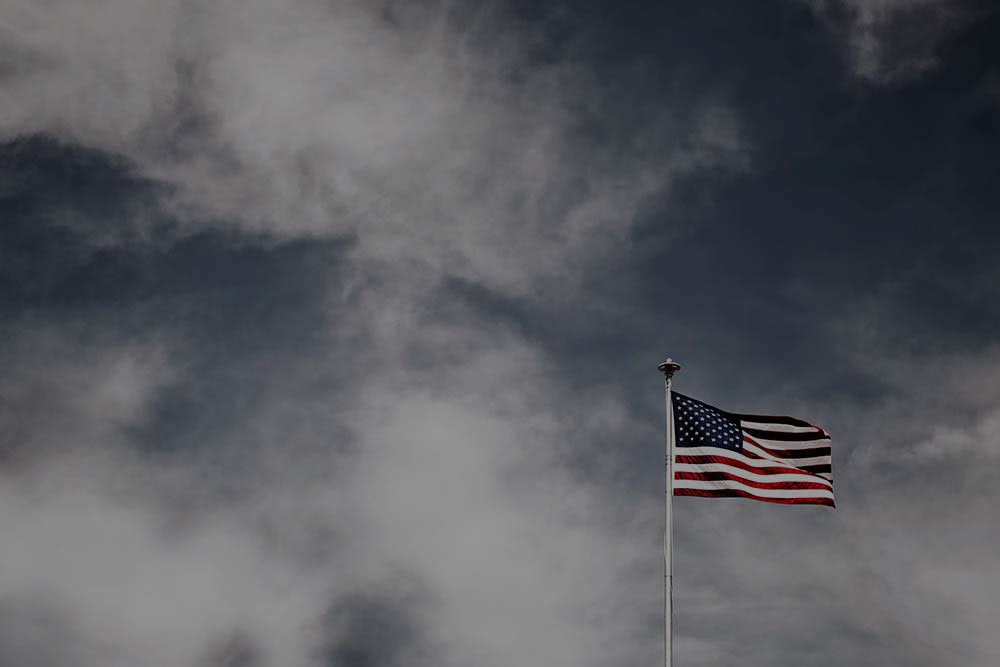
669	367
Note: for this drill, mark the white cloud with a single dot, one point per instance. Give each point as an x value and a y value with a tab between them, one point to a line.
427	135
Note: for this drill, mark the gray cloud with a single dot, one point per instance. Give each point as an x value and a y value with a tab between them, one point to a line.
329	332
193	492
428	135
887	41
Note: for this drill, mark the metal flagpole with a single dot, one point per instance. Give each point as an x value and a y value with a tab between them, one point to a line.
668	368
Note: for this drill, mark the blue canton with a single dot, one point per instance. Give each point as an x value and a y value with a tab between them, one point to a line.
698	424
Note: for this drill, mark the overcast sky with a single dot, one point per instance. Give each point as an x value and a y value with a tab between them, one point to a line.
330	330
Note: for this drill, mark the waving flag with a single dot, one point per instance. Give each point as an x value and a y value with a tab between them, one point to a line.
773	459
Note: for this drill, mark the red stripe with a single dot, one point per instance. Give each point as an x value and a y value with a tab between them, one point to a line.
717	476
789	454
736	493
776	469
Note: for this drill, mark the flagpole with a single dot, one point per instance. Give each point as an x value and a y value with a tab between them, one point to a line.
668	368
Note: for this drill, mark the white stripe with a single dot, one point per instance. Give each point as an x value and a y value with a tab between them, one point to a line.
753	477
794	463
796	444
764	493
781	428
770	462
736	456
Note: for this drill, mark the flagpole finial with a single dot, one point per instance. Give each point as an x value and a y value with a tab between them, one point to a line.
669	367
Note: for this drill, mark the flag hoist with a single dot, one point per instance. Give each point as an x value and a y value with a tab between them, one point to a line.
668	368
713	453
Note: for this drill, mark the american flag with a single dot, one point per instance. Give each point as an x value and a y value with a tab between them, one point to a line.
773	459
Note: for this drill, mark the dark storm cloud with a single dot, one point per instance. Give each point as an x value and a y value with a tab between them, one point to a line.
75	253
329	330
893	41
373	629
849	277
61	204
26	630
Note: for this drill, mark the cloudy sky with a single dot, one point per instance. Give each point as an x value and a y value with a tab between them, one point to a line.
330	329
